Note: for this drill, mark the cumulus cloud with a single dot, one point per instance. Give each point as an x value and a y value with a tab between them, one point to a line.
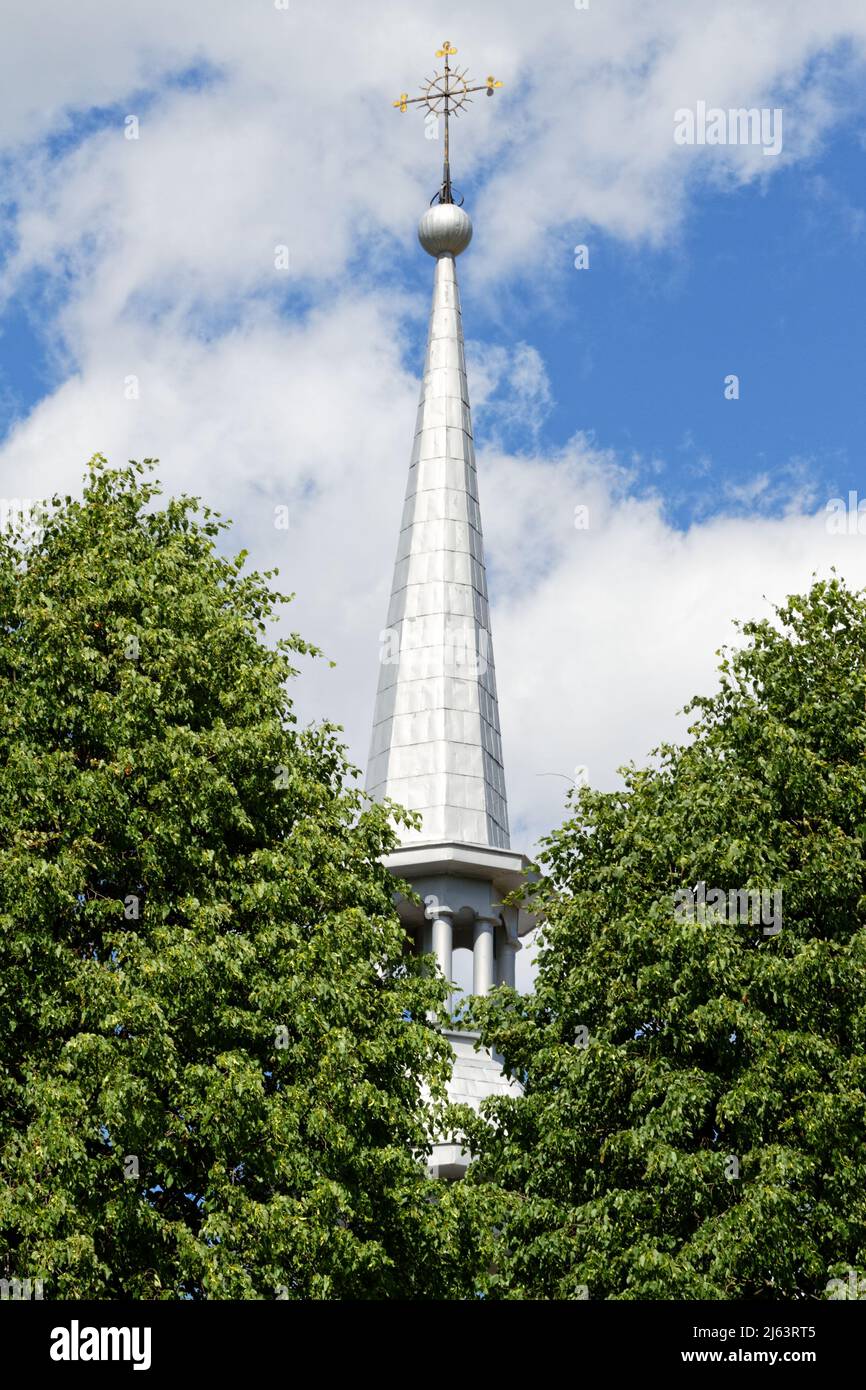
599	652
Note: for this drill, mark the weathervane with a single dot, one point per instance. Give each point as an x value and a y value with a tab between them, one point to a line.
446	93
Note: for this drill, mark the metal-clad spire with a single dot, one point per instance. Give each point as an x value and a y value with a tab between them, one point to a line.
436	745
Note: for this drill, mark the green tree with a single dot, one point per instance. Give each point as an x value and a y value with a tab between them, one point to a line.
216	1060
694	1117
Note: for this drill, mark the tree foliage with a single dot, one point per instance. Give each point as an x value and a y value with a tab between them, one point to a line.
694	1118
217	1078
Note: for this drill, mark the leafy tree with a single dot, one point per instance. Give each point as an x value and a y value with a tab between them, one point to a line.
216	1060
694	1117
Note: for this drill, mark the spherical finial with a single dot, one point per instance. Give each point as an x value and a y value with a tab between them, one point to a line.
445	227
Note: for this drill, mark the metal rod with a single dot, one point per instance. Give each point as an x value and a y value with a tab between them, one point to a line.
446	171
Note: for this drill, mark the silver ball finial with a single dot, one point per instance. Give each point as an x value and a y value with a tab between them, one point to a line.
445	228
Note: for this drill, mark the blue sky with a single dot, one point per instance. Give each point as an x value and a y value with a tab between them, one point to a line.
154	260
760	281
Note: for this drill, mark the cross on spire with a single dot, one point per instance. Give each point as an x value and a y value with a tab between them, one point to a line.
446	94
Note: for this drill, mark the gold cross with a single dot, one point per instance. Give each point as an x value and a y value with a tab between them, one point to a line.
447	94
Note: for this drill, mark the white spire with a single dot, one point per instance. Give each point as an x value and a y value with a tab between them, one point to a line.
436	746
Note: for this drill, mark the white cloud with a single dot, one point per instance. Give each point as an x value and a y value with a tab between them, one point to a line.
291	135
510	387
596	657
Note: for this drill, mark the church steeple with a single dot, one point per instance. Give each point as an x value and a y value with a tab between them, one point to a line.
436	744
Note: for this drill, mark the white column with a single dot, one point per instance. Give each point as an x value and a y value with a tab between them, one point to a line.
424	942
441	935
482	954
508	960
443	941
